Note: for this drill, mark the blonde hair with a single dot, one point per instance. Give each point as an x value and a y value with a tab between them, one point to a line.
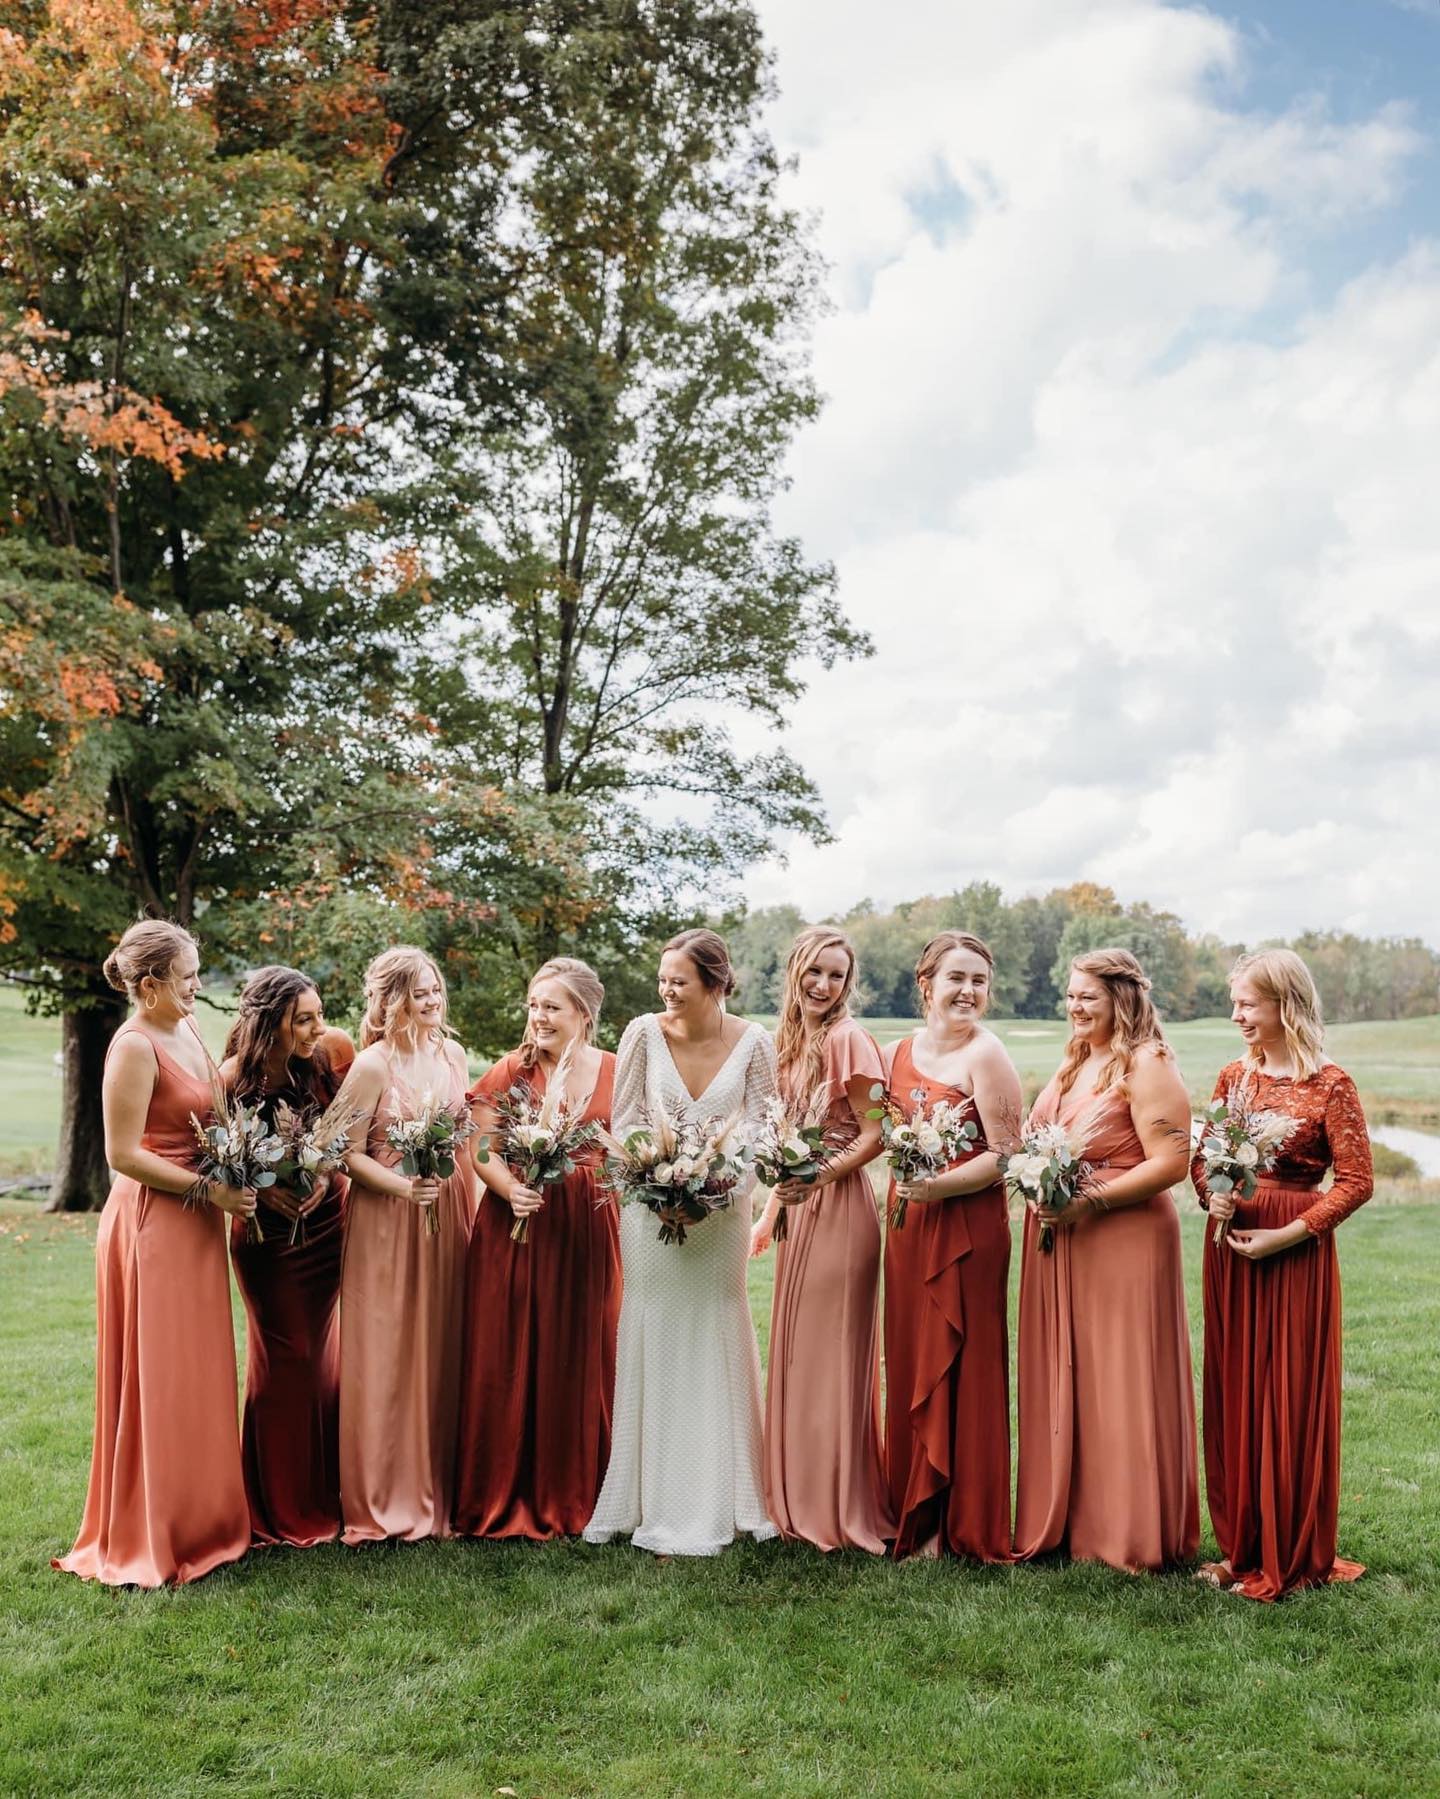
1136	1020
581	984
798	1044
389	982
935	952
1279	974
149	949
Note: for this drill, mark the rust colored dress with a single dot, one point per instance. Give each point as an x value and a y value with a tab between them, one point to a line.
824	1477
538	1375
1272	1345
166	1501
290	1430
402	1301
947	1397
1107	1404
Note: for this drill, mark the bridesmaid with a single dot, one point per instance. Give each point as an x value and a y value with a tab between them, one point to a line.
540	1316
824	1482
1272	1298
167	1496
1107	1408
402	1290
280	1048
946	1342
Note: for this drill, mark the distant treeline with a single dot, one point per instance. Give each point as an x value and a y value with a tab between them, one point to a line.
1034	941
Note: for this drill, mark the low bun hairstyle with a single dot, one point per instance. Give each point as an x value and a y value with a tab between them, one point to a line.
150	949
708	951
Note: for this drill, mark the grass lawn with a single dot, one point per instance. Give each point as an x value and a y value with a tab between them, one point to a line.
455	1669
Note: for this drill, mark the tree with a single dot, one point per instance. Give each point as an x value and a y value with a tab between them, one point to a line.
617	565
217	612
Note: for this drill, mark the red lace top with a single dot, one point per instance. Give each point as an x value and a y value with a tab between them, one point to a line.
1331	1132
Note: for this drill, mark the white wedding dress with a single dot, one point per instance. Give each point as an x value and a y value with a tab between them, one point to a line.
685	1460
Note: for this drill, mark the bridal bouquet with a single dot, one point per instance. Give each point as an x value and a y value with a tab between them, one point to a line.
1237	1143
539	1139
919	1144
427	1144
237	1147
1047	1169
310	1147
790	1146
680	1171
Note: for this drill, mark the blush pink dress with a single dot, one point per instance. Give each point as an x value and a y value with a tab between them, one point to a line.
824	1482
402	1303
1107	1401
167	1492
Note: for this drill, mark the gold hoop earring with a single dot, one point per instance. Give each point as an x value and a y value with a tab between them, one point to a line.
151	1002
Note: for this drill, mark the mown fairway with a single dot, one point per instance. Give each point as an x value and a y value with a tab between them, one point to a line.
462	1669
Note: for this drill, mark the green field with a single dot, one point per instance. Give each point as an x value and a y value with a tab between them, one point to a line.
1395	1065
453	1669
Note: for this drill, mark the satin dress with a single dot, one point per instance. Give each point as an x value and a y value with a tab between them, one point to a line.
824	1475
539	1360
1108	1462
1272	1344
166	1501
947	1372
402	1306
290	1426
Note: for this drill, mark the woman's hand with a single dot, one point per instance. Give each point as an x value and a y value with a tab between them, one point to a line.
1060	1215
238	1201
1257	1245
424	1190
1222	1206
914	1192
525	1201
795	1193
762	1234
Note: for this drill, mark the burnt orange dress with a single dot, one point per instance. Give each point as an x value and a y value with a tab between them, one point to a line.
1272	1344
539	1361
1107	1405
402	1302
167	1495
824	1474
947	1375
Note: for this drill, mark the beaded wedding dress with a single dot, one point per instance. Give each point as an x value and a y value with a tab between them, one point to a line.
685	1459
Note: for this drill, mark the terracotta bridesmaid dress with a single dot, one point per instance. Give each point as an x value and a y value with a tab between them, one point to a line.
167	1497
947	1398
538	1373
824	1480
1107	1405
1272	1345
290	1429
402	1299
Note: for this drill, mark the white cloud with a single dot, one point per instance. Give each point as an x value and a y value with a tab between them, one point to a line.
1141	518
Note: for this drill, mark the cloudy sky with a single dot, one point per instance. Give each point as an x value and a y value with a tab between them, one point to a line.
1129	461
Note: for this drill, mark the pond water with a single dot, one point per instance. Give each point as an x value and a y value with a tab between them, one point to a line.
1423	1145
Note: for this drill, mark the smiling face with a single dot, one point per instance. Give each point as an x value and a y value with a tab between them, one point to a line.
1089	1007
959	992
823	981
554	1018
682	992
426	1003
1257	1016
303	1027
174	996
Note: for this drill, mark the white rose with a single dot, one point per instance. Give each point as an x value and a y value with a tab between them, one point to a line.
662	1174
310	1157
797	1149
903	1133
929	1140
682	1168
1247	1155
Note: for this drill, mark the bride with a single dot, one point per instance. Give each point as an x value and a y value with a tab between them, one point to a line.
685	1462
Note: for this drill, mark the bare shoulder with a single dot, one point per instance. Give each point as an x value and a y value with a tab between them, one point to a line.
132	1053
991	1054
1153	1066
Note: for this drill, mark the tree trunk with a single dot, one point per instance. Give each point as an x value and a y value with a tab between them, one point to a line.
82	1177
